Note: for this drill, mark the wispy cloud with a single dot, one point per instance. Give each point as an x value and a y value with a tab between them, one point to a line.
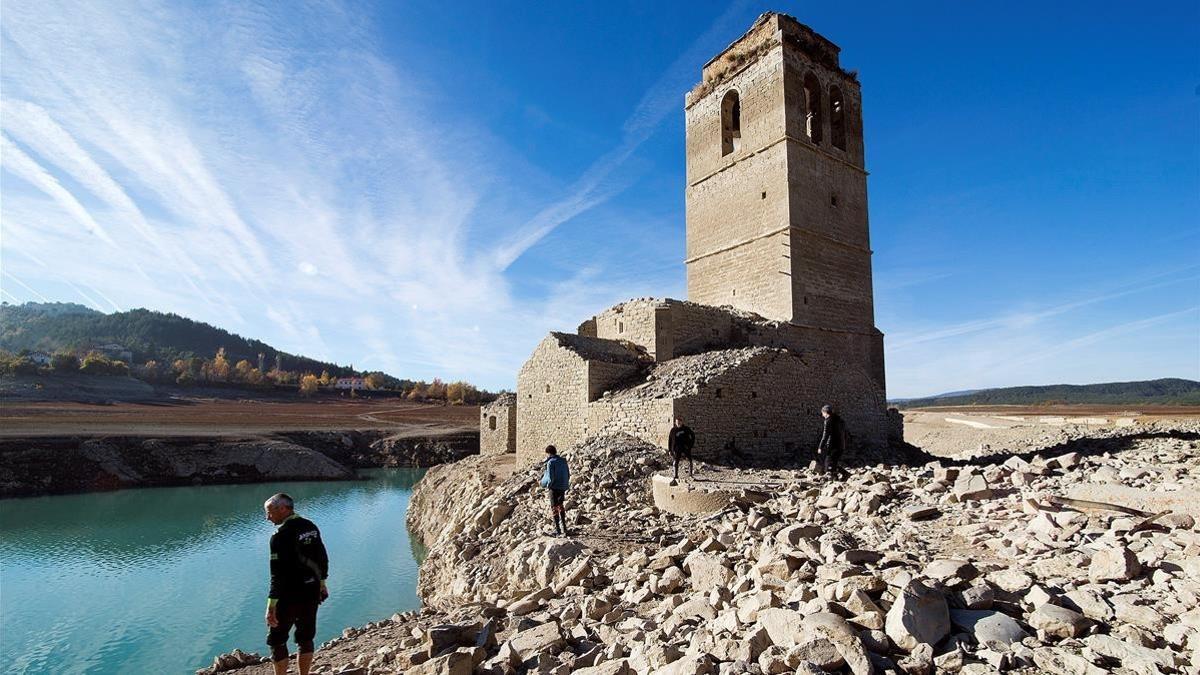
265	168
1024	318
597	184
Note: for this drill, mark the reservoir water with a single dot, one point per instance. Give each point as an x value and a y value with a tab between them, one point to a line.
163	580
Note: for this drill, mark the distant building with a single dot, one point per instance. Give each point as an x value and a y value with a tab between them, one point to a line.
40	358
351	383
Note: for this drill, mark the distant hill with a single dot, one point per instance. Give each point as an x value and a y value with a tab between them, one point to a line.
1168	391
61	326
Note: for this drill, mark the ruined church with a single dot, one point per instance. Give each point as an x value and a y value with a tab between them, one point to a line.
780	311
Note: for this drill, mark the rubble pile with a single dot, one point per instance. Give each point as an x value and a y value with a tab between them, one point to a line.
936	568
684	375
486	545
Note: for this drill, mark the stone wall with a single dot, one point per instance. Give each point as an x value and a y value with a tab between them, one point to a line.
552	394
769	408
669	328
498	426
647	419
555	385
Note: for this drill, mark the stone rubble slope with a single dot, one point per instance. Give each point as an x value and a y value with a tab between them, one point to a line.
495	542
935	568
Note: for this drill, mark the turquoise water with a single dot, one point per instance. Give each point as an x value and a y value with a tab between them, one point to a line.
162	580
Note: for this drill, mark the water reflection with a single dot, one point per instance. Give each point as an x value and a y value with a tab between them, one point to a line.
160	580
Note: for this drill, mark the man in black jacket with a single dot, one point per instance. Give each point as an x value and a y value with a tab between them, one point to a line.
299	567
680	442
833	443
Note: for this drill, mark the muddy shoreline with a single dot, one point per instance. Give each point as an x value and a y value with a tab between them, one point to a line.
72	464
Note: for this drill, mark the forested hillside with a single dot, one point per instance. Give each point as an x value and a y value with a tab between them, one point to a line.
1167	391
58	326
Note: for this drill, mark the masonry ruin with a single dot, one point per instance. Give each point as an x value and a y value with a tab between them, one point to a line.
780	312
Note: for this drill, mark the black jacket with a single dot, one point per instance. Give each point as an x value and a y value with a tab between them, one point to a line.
681	440
298	560
833	435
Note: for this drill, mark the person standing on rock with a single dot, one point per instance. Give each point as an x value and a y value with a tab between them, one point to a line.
556	479
680	443
832	444
299	568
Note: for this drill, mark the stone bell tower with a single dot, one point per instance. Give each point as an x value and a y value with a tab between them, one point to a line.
777	189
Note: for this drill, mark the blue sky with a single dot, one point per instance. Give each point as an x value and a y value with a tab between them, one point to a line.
427	188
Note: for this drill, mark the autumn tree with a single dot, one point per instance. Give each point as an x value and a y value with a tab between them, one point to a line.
242	371
454	393
324	378
309	384
219	368
375	381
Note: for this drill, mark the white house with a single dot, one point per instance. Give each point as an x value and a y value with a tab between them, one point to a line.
351	383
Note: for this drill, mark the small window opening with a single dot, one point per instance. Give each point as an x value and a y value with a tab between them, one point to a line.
620	326
731	123
735	292
812	108
754	394
833	200
837	118
718	392
764	195
547	389
492	422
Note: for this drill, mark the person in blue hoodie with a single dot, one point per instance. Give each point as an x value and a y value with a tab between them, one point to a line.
557	478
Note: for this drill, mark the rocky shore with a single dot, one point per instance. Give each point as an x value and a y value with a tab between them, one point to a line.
48	465
990	562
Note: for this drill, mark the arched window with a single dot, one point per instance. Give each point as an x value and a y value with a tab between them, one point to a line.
731	123
812	108
492	422
837	118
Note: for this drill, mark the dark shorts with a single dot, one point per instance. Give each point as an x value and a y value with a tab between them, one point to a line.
298	613
557	498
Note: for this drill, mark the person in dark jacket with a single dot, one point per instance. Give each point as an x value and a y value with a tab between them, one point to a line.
299	568
556	479
833	443
680	443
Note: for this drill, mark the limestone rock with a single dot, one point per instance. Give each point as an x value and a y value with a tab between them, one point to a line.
919	616
1132	656
533	641
1011	580
987	627
1113	564
971	486
1058	621
707	571
784	626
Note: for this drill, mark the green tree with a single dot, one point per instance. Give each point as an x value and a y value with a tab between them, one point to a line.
64	362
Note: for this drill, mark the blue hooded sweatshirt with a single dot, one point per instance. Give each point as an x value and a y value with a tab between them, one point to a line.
557	475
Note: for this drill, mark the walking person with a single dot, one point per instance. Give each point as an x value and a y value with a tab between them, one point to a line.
680	442
832	444
556	479
299	567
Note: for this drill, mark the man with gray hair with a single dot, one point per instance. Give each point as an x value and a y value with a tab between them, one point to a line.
299	567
